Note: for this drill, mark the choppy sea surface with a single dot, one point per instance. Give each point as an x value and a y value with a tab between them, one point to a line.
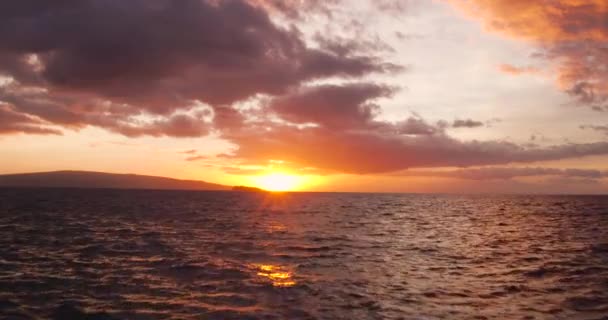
116	254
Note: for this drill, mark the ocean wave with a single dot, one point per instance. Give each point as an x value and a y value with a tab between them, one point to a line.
86	254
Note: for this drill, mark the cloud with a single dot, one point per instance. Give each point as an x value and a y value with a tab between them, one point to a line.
14	122
468	123
393	6
506	173
332	106
302	9
242	172
364	144
154	57
603	129
415	125
193	155
572	34
180	126
348	107
196	158
514	70
539	20
338	128
185	69
297	9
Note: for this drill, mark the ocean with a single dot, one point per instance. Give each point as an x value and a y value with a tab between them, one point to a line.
141	254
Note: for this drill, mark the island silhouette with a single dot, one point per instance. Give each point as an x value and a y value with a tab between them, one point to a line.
89	179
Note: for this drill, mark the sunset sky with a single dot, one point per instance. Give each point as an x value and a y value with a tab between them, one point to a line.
390	95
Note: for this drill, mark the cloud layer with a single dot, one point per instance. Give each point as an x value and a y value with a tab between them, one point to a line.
506	173
344	135
187	68
76	62
573	34
14	122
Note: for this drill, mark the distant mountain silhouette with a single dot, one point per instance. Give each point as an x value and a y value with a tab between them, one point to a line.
86	179
247	189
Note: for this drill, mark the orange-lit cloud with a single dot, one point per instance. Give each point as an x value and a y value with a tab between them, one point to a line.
570	33
542	21
361	143
505	173
186	68
514	70
375	152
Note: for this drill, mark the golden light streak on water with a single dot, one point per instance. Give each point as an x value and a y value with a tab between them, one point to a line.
278	275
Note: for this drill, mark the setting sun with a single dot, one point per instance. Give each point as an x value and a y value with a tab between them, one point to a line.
278	182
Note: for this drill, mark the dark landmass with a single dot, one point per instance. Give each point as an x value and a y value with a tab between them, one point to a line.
248	189
86	179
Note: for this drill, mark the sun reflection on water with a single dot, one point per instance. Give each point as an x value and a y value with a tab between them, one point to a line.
276	226
278	275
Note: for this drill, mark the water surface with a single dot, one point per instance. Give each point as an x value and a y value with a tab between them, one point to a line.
116	254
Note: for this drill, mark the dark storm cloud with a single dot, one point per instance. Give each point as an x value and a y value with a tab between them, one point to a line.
161	53
153	56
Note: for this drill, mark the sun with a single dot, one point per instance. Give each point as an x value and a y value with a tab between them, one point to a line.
277	181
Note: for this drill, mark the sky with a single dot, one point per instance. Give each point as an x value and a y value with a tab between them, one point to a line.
342	95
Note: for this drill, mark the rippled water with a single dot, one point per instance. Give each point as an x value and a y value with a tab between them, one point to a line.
110	254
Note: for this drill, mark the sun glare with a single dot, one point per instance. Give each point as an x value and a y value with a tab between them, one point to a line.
278	182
